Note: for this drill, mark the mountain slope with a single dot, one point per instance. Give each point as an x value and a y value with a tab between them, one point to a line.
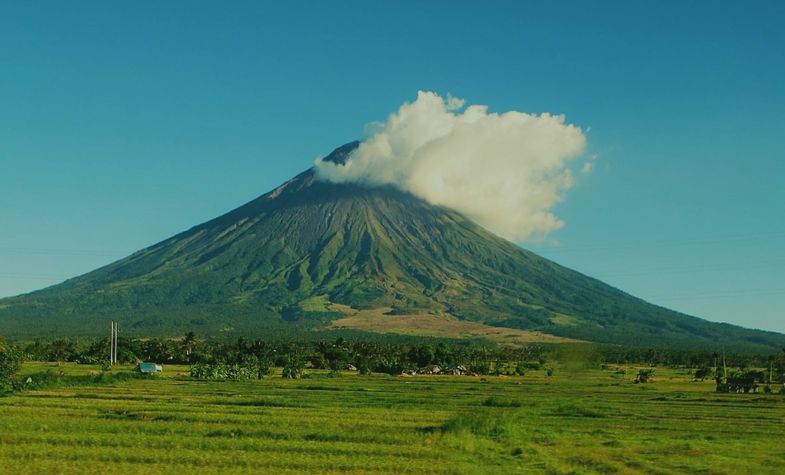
281	260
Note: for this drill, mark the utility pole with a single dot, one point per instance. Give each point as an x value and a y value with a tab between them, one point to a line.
771	370
113	343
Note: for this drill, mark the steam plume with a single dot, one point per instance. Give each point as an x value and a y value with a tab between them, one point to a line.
505	171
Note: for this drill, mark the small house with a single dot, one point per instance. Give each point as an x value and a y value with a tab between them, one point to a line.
456	370
430	369
149	368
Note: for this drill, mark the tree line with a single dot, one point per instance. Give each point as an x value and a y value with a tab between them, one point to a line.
244	358
371	356
676	357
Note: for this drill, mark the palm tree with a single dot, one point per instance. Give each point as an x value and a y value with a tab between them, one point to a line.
189	341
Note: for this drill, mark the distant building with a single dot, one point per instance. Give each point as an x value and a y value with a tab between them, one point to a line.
457	370
430	369
149	368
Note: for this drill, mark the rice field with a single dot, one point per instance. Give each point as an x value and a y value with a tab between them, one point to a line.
573	422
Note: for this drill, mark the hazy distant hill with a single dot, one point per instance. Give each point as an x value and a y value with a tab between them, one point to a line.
280	261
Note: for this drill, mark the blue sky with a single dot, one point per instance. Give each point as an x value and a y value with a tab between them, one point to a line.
122	123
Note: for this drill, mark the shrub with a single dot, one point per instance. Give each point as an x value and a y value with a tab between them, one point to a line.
520	369
568	409
294	368
701	374
249	368
265	367
480	367
364	369
241	372
495	402
644	376
291	371
10	361
482	425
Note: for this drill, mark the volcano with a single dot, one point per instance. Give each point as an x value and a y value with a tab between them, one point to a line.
315	256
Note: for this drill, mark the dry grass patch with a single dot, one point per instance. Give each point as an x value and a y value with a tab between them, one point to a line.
441	326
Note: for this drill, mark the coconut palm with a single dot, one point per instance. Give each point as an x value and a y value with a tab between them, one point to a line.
188	343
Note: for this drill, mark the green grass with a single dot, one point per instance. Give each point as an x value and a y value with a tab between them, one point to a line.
580	422
564	320
317	303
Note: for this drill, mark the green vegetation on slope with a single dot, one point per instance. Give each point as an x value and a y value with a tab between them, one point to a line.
276	263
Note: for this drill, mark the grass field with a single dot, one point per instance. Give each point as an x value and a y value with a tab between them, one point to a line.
573	422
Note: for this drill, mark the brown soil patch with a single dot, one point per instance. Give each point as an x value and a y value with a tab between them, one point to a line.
442	326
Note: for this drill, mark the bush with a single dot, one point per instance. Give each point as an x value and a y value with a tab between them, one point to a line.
644	376
390	366
701	374
481	367
364	369
480	424
496	402
520	369
265	367
223	371
568	409
10	361
294	368
291	371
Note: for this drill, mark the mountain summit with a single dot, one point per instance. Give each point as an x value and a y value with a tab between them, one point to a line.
311	253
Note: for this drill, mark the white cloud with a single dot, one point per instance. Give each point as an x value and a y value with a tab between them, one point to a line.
587	167
454	103
505	171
